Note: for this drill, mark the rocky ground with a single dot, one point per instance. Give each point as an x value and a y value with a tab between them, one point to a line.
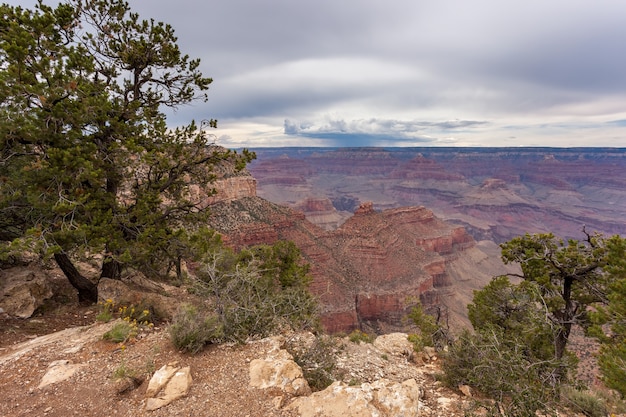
68	332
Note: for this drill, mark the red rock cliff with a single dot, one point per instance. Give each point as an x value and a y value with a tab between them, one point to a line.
369	271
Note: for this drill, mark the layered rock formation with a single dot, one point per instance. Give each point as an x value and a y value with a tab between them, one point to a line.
322	212
371	266
372	269
496	193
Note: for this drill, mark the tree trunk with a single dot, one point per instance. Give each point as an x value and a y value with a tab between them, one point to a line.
561	340
87	290
111	268
565	318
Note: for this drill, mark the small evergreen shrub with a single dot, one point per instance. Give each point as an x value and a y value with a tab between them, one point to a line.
583	401
500	369
191	330
318	362
431	333
417	341
357	336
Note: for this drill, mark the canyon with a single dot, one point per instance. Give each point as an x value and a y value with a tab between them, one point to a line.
371	262
374	268
495	193
385	228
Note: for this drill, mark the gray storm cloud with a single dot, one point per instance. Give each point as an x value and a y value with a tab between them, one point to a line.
468	72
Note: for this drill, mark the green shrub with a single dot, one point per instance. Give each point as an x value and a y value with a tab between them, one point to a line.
583	401
124	371
499	368
417	341
257	291
612	355
190	330
106	311
252	293
431	333
514	309
357	336
318	362
121	332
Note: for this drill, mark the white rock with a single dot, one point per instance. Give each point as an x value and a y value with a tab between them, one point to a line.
58	371
382	398
159	379
172	383
278	371
396	344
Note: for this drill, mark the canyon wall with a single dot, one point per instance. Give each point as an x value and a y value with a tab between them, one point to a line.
369	272
495	193
383	228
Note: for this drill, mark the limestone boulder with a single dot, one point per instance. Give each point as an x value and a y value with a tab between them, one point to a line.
279	371
382	398
23	291
396	344
168	384
58	371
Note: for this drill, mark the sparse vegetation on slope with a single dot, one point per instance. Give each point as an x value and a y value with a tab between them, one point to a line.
250	294
518	353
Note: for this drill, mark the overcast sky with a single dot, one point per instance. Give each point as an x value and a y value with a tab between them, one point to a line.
406	72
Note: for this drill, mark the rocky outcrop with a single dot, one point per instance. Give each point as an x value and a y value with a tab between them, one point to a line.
368	272
394	344
233	188
23	290
226	187
168	384
381	398
278	371
383	379
321	212
390	260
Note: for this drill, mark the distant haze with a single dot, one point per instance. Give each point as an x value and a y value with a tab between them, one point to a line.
405	72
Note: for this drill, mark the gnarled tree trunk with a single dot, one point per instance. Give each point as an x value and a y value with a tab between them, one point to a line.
87	290
111	268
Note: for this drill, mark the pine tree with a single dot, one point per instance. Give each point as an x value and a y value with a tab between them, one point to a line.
612	317
569	277
87	162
